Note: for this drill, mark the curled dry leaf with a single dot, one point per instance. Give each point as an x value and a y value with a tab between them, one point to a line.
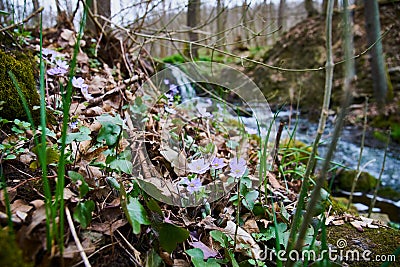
12	193
20	205
37	203
251	226
4	218
207	252
357	225
38	217
243	238
69	36
82	58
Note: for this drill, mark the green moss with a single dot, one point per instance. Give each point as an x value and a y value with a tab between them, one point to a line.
381	241
174	59
339	205
10	253
389	193
21	66
366	182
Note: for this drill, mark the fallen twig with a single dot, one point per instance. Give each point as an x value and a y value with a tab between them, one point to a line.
76	239
97	100
34	13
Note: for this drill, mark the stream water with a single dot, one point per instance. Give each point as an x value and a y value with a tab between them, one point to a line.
347	150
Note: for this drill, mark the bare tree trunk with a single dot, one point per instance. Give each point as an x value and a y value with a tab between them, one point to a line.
281	13
245	24
220	24
98	8
373	29
193	16
162	43
35	7
2	7
311	11
324	7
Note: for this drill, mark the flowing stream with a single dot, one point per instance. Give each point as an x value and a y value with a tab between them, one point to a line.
347	151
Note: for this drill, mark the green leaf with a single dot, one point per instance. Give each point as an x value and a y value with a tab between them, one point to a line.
197	258
52	155
83	187
153	259
154	207
83	212
250	199
171	235
220	237
113	182
134	212
108	119
82	135
122	165
11	156
110	133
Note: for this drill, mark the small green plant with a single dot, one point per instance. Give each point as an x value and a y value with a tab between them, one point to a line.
227	243
197	257
84	208
14	145
23	36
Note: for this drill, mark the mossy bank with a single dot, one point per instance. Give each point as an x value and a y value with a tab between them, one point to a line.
20	64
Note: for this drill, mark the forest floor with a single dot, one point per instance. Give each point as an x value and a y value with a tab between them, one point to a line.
117	222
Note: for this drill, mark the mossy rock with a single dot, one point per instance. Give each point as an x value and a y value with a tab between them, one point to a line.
366	182
339	205
389	193
381	241
10	253
21	66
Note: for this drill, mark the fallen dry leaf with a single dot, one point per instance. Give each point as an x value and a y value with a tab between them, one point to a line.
207	252
243	238
251	226
38	217
20	205
357	225
68	36
12	193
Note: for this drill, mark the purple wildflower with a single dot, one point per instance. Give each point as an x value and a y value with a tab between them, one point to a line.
174	89
85	92
166	81
203	112
218	163
74	124
62	64
47	51
199	166
238	167
194	186
56	71
78	82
